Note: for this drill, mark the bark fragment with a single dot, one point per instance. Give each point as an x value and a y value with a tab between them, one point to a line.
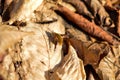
86	25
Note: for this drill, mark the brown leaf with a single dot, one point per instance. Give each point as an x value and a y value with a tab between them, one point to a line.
80	7
99	10
91	54
7	4
1	6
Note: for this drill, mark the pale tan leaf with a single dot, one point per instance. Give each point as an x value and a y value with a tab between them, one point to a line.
23	9
8	37
40	50
38	53
109	67
71	68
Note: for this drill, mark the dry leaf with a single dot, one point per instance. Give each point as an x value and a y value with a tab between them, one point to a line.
103	2
91	54
41	50
38	53
71	67
78	34
109	67
45	17
115	2
1	6
40	56
118	23
98	9
23	9
80	7
6	4
8	37
108	3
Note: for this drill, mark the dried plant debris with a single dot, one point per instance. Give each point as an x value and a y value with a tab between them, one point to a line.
1	6
0	19
72	32
44	16
8	37
6	4
110	65
109	3
109	7
99	10
115	2
91	54
103	2
80	7
22	10
42	51
49	47
118	23
71	67
86	25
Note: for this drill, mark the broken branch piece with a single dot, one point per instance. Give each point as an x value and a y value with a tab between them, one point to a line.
86	25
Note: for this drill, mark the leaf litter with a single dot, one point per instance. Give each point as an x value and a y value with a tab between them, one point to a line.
44	48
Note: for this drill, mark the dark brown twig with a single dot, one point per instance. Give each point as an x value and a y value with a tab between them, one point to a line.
86	25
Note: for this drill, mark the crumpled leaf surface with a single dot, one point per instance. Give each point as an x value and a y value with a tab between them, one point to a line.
48	54
90	53
109	67
37	54
8	37
99	10
80	7
71	67
22	9
40	56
